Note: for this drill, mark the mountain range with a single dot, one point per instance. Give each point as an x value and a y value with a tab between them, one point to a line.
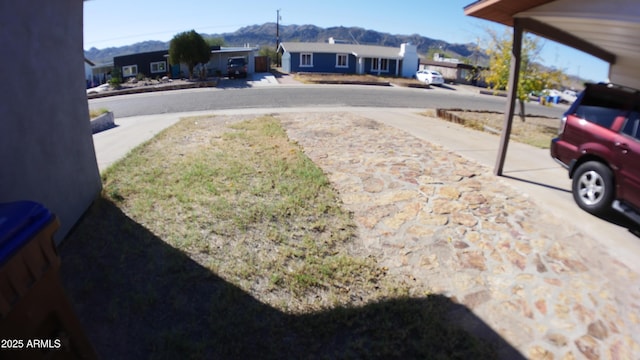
265	35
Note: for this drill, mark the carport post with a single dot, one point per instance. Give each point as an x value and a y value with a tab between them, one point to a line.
512	88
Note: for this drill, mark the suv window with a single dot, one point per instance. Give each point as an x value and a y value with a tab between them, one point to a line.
236	61
600	108
632	125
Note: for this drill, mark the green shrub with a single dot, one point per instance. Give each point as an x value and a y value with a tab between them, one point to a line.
94	113
116	77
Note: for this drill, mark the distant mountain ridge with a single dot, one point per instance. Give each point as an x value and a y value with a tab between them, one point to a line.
265	35
106	55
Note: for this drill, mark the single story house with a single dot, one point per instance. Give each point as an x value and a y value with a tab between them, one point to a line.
88	72
217	65
156	63
455	72
101	73
96	74
332	57
150	64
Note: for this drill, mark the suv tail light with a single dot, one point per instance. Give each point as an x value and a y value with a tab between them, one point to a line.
563	123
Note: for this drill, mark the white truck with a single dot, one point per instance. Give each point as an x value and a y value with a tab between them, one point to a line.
568	96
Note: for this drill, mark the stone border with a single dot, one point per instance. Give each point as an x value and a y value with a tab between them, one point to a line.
351	82
144	89
102	122
446	115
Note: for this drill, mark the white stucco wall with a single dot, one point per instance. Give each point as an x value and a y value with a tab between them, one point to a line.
410	60
46	147
286	62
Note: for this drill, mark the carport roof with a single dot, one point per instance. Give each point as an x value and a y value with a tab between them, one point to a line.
234	50
607	29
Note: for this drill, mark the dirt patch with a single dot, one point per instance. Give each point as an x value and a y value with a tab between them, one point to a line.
535	130
320	78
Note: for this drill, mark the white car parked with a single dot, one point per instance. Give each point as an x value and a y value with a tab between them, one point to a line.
98	89
430	77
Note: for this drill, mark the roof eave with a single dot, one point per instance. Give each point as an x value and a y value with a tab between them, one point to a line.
500	11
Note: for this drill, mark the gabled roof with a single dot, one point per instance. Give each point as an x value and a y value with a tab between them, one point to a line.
362	51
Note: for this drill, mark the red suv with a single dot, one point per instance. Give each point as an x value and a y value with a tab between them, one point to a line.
599	143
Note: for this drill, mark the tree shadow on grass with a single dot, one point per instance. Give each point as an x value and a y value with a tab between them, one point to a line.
139	298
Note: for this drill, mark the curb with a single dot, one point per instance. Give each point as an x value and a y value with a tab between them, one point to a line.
419	86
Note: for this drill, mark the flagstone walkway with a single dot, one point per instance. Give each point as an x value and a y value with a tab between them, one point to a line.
449	225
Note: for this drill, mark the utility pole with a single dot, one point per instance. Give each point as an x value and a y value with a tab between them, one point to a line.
277	37
277	28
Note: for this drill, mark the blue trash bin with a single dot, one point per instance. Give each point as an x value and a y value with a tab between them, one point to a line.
19	222
34	309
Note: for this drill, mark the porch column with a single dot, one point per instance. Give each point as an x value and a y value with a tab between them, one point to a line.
512	88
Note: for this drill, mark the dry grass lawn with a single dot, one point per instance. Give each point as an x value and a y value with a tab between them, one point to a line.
535	130
348	78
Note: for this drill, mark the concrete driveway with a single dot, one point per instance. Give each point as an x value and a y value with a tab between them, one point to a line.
252	80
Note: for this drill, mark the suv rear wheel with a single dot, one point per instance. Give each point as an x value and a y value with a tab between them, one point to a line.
593	187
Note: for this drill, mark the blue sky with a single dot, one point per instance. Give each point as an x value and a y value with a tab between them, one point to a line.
123	22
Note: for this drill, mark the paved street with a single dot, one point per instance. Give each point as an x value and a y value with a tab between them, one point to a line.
263	93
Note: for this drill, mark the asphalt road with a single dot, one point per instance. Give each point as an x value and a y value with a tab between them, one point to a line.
238	95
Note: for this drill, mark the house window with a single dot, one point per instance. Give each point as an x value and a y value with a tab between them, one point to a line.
342	60
159	67
306	60
380	64
130	70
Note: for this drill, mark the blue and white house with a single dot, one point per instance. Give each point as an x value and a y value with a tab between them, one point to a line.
332	57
